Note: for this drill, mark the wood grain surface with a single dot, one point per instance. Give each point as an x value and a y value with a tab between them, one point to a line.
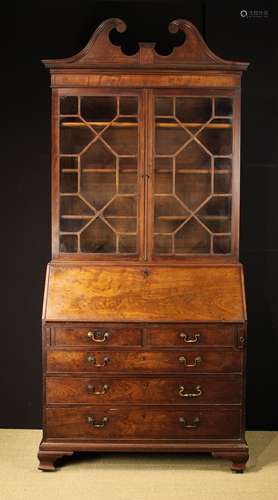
143	423
181	389
153	294
215	361
160	327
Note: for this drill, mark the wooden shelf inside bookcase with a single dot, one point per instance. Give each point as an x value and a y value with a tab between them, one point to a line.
131	124
157	171
106	216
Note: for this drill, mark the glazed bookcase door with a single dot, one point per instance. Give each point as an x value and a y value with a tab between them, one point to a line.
192	175
100	180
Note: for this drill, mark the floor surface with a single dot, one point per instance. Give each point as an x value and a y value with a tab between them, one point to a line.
136	476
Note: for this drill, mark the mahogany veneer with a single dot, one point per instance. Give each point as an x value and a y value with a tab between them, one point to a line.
162	389
137	423
144	316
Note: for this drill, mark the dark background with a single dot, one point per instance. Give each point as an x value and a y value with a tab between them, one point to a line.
57	29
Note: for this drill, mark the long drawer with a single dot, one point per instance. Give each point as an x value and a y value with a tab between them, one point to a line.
188	389
143	423
194	361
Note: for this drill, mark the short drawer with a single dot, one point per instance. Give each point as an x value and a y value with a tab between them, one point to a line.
99	336
188	336
143	423
194	361
183	389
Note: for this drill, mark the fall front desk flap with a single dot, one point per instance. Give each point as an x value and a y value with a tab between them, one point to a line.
76	292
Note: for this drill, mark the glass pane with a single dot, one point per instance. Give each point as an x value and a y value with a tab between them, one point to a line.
193	189
68	105
223	164
98	237
122	137
74	135
122	224
164	224
192	157
169	136
217	137
98	157
98	108
123	206
99	174
192	175
72	225
166	206
68	243
216	214
68	162
163	178
73	205
222	183
128	175
193	109
192	238
162	244
222	244
98	188
163	164
164	106
127	243
128	105
68	182
223	106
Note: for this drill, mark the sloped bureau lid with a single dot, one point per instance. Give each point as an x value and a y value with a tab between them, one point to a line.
148	294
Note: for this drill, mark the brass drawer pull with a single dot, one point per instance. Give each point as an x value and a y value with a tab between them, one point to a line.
92	359
92	389
98	336
183	360
190	339
97	424
196	394
194	425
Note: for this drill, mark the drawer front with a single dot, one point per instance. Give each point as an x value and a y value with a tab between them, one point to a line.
97	336
189	389
190	336
143	423
143	361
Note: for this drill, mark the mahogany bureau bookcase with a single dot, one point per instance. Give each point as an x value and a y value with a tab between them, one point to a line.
144	318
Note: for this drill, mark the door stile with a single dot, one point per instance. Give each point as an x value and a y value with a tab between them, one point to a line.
149	173
139	196
55	177
141	210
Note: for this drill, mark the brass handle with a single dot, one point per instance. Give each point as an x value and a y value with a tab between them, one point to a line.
97	393
98	336
183	360
93	360
196	394
97	424
194	425
190	339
